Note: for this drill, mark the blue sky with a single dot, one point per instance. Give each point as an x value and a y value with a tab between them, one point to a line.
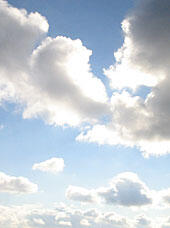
84	114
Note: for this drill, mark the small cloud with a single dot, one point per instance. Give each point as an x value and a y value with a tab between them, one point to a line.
16	185
53	165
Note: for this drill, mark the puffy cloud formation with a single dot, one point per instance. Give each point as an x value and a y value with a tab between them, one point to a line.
16	185
53	165
62	216
126	189
81	194
142	60
29	216
50	77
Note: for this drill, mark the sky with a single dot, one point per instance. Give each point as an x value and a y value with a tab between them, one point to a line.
84	114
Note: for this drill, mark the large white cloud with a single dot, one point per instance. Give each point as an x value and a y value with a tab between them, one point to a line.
53	165
16	185
142	60
50	77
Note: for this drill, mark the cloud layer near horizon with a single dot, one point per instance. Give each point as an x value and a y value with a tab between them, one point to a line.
143	60
62	216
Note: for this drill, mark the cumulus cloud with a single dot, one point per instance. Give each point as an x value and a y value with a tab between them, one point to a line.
53	165
16	185
80	194
166	223
29	216
142	60
55	69
63	216
126	189
58	70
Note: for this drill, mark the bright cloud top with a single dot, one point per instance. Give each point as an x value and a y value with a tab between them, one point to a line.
53	165
57	70
16	185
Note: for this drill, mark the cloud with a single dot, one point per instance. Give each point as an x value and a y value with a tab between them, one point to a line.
91	213
53	165
63	216
39	221
16	185
143	60
166	224
126	189
113	220
85	222
29	216
143	57
65	224
143	222
80	194
164	197
55	69
58	70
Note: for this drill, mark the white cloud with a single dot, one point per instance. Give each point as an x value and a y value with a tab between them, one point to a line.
57	70
16	185
64	223
53	165
91	213
142	60
126	189
80	194
166	223
143	222
84	222
37	216
164	197
39	221
113	220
